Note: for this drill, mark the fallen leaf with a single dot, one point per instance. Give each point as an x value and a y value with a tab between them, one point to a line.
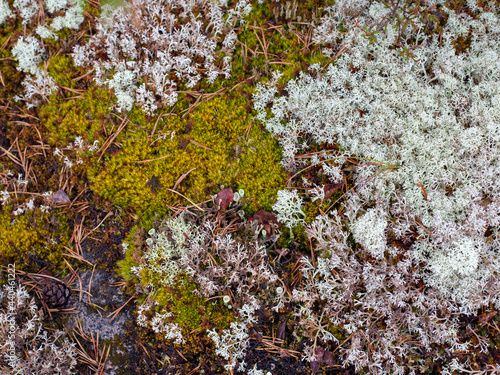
332	188
314	367
281	331
483	319
154	183
328	358
318	353
60	197
318	357
224	199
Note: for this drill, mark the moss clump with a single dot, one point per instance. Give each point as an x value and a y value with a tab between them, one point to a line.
113	3
62	69
85	116
284	47
32	240
190	311
218	144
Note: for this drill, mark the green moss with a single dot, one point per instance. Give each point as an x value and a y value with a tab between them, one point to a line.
192	312
85	116
296	239
218	144
339	333
135	243
287	47
62	69
33	240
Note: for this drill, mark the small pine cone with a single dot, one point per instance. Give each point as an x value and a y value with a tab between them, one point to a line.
56	294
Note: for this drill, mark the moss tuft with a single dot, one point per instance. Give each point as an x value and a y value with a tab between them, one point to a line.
61	68
84	116
33	240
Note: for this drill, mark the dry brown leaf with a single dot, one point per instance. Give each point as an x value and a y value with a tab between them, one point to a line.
332	188
60	197
281	331
224	199
485	318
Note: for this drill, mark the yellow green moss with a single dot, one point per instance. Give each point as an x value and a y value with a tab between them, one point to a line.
85	116
112	3
218	143
32	240
62	69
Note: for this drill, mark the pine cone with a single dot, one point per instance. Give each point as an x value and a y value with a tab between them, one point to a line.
56	294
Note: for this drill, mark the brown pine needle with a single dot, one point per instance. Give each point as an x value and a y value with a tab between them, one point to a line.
183	177
90	282
149	160
423	190
193	370
183	196
72	254
200	145
115	313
